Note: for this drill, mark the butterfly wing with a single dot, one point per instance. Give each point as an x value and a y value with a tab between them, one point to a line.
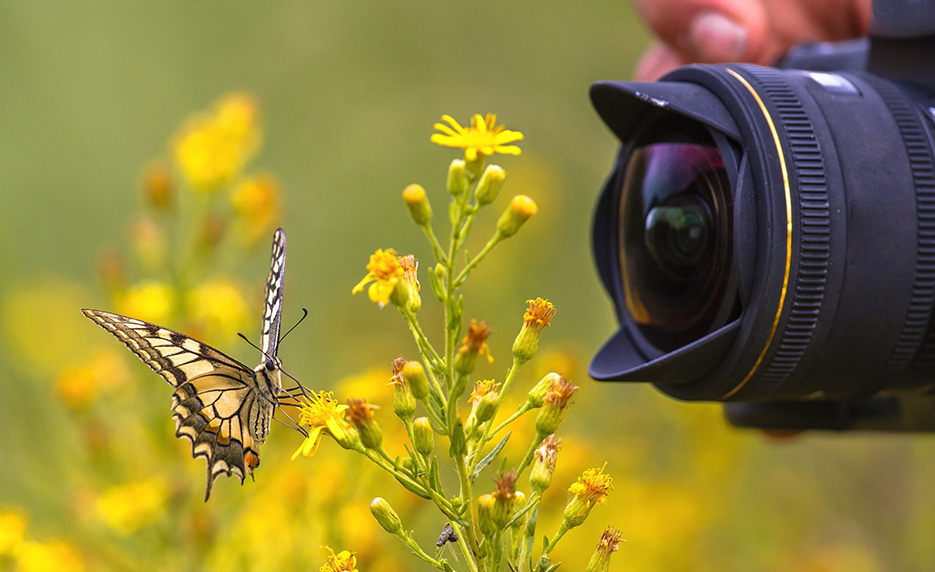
216	402
272	310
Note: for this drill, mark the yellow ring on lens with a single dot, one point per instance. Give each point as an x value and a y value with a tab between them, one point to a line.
788	196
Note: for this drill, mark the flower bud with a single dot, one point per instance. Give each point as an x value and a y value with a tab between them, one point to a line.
409	298
458	445
404	402
423	436
536	395
519	503
473	344
520	210
360	415
485	508
418	204
485	397
600	560
458	182
505	498
385	515
554	407
157	187
415	377
489	185
540	477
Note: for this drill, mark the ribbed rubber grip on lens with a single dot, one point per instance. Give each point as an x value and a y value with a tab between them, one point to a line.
915	347
811	223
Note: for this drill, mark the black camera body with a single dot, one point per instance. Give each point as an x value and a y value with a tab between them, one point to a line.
768	234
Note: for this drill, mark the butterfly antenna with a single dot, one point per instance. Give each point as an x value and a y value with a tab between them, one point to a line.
304	315
246	339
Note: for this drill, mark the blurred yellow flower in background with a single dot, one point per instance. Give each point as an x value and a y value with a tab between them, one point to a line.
127	508
213	147
256	202
44	557
218	309
150	300
12	532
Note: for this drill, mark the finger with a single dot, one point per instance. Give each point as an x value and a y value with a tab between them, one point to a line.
658	60
707	30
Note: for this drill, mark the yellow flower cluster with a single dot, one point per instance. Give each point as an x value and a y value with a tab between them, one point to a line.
127	508
212	147
31	556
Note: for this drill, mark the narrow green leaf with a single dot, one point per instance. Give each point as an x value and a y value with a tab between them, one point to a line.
413	489
489	457
433	475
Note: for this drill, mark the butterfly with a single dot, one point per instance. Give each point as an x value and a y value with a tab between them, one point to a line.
221	405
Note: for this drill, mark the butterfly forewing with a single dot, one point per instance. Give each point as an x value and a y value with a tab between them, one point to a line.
216	403
272	310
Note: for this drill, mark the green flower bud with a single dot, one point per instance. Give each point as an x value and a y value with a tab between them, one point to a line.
537	394
360	415
423	436
489	185
458	182
485	508
520	210
540	477
505	499
600	560
554	407
473	345
385	515
519	503
418	204
415	377
458	445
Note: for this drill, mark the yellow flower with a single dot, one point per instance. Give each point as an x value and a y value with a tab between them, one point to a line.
385	272
538	315
212	148
127	508
150	300
256	201
589	490
218	308
344	561
322	414
12	532
42	557
483	138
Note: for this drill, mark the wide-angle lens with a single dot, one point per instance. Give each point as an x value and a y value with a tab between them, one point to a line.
675	240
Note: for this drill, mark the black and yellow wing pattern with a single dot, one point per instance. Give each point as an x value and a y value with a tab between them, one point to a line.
223	407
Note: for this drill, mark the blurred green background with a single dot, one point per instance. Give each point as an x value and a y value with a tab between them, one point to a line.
93	92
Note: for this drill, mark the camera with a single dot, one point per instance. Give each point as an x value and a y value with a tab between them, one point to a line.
767	234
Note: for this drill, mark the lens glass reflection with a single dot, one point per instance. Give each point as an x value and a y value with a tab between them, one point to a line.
675	240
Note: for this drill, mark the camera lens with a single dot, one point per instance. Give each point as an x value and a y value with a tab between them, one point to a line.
675	240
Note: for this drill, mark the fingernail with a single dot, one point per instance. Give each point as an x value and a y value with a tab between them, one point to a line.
713	37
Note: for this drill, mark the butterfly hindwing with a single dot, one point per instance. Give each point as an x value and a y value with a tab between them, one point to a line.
216	404
272	309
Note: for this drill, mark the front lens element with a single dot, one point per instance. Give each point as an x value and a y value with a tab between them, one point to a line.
675	241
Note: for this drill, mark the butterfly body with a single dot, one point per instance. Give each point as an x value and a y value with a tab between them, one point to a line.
222	406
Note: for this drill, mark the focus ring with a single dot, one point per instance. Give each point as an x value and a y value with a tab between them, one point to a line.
915	347
810	197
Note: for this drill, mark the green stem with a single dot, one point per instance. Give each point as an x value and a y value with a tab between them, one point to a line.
462	276
473	561
406	537
558	535
421	339
443	504
529	538
482	442
516	414
436	246
527	460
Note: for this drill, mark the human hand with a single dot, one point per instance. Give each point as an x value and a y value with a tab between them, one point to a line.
757	31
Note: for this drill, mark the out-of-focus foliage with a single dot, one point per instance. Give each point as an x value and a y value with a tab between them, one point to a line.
92	92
